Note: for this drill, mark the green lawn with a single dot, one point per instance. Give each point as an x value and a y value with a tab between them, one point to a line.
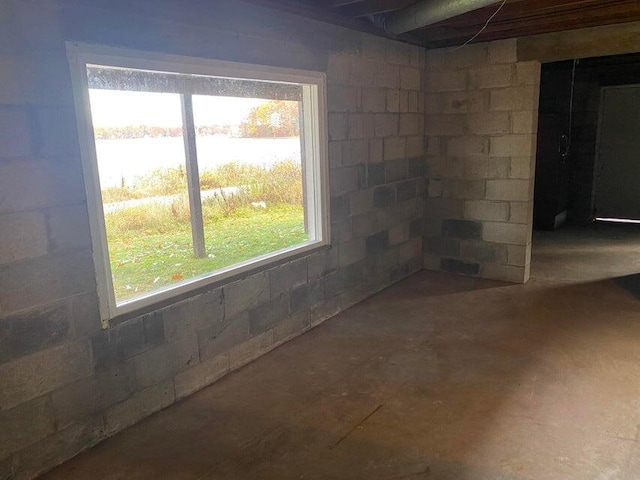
142	261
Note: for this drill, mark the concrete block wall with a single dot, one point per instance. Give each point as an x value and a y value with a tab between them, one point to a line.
65	383
480	125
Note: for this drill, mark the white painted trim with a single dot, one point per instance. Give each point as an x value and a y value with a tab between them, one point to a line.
316	181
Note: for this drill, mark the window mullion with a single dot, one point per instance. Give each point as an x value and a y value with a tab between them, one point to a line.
193	176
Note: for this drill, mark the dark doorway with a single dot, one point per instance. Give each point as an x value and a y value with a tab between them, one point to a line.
574	183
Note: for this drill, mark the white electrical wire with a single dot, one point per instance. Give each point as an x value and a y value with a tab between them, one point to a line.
484	27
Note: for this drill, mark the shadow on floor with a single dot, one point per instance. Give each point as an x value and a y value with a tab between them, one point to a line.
438	377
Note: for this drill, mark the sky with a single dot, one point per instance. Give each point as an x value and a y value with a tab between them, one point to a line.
117	108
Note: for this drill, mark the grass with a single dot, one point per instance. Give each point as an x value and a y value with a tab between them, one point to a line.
150	244
141	263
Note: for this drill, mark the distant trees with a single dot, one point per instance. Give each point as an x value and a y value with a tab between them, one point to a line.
272	119
276	118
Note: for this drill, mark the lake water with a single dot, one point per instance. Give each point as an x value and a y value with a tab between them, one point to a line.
130	158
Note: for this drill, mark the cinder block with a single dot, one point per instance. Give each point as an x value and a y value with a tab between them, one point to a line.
86	316
245	294
201	375
465	102
411	124
503	51
399	234
515	98
250	350
433	146
393	101
442	247
57	132
460	267
24	235
509	233
15	132
361	202
388	76
363	72
415	146
355	152
449	125
521	212
434	188
492	77
481	252
513	145
24	425
522	167
486	210
454	81
524	122
462	229
406	190
377	242
438	208
68	227
386	124
519	255
28	184
360	126
338	68
288	276
375	150
186	317
55	449
528	73
265	317
322	263
394	148
467	145
139	406
434	103
42	372
339	207
505	273
397	53
488	123
365	224
338	126
342	98
165	361
291	327
486	167
343	180
221	337
351	252
45	280
410	78
509	190
384	197
34	330
81	400
374	100
469	56
463	189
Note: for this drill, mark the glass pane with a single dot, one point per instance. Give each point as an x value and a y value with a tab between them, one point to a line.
249	156
248	144
141	164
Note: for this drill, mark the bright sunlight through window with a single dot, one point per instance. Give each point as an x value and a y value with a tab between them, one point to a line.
196	170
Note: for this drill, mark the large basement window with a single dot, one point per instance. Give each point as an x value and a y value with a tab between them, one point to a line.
195	170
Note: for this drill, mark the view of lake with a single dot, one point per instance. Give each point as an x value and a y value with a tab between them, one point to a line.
130	158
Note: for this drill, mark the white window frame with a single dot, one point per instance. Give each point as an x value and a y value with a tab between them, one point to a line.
315	161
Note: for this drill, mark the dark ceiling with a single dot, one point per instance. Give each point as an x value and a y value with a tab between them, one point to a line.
516	18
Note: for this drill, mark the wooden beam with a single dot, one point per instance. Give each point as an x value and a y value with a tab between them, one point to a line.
582	43
372	7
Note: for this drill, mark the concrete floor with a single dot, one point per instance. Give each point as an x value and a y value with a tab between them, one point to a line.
439	377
